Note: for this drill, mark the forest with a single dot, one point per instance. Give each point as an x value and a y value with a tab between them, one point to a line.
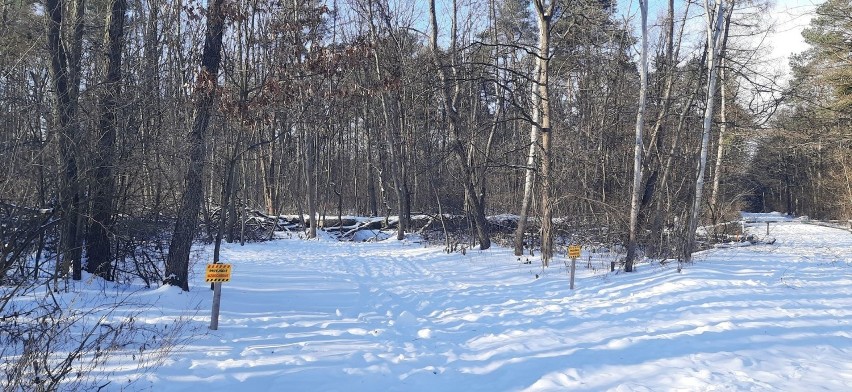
138	136
132	129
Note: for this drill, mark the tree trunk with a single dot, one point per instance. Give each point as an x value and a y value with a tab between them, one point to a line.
529	177
714	39
638	146
723	126
98	242
391	129
177	263
228	207
310	182
65	80
659	212
545	14
371	169
653	159
498	112
540	131
468	174
717	169
227	191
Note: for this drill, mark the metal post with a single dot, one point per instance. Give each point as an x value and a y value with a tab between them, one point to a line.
573	270
217	297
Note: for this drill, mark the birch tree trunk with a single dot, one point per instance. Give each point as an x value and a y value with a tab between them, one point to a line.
544	14
638	146
714	40
723	126
529	177
540	135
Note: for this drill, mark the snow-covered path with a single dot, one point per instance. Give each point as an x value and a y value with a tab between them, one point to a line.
330	316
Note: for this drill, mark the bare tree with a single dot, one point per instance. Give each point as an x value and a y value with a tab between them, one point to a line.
177	264
720	144
98	249
715	38
468	174
392	123
723	124
656	161
65	56
540	137
544	13
636	195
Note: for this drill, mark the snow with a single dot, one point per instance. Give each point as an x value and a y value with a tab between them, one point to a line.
395	315
753	217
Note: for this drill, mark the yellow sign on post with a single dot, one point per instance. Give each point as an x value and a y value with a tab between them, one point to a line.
574	251
218	273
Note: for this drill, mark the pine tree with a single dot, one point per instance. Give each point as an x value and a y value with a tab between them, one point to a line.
831	36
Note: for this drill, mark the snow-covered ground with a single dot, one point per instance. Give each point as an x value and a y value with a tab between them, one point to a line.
399	316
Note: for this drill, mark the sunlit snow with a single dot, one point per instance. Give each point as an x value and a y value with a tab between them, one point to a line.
401	316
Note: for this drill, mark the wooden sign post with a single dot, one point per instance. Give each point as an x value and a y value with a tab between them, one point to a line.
573	253
217	273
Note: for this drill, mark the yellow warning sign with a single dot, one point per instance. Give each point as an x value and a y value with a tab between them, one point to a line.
574	251
218	273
